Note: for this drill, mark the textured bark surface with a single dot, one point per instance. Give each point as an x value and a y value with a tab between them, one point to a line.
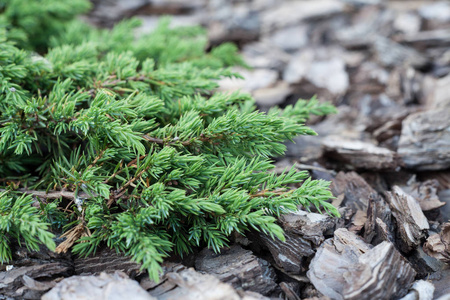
106	260
33	281
425	140
345	267
238	267
104	286
360	155
304	232
179	282
438	245
354	190
411	222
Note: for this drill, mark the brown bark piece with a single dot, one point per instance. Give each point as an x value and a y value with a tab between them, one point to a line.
378	209
304	232
347	268
332	259
32	281
115	286
425	140
355	189
438	245
426	193
359	154
238	267
106	260
411	222
178	282
381	273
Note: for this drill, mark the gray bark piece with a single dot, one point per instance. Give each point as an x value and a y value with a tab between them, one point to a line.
106	260
425	140
391	54
294	12
359	154
238	267
411	222
178	282
381	273
19	282
354	188
426	193
103	287
377	209
347	268
438	245
332	260
304	232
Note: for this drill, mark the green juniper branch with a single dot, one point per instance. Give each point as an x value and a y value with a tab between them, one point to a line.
131	131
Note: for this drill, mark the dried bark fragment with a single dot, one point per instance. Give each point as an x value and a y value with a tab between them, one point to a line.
104	286
438	245
426	193
178	282
106	260
358	154
238	267
425	140
331	261
17	283
347	268
381	273
355	189
377	209
291	254
390	53
304	232
411	222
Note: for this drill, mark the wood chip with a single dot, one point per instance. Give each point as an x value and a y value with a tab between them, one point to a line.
358	154
238	267
347	268
425	140
411	222
438	245
104	286
179	282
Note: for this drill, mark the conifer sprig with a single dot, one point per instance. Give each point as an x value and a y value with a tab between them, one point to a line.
124	142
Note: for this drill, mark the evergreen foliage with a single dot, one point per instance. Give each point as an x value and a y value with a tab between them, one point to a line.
130	136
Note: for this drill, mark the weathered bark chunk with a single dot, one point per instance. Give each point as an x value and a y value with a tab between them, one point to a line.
347	268
381	273
378	210
438	245
238	267
426	193
332	260
304	232
178	282
358	154
425	140
411	222
103	287
106	260
22	282
355	189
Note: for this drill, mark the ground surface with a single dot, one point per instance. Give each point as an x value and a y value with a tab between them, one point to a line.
386	66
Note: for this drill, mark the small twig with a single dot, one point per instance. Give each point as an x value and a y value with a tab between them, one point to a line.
52	195
267	193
